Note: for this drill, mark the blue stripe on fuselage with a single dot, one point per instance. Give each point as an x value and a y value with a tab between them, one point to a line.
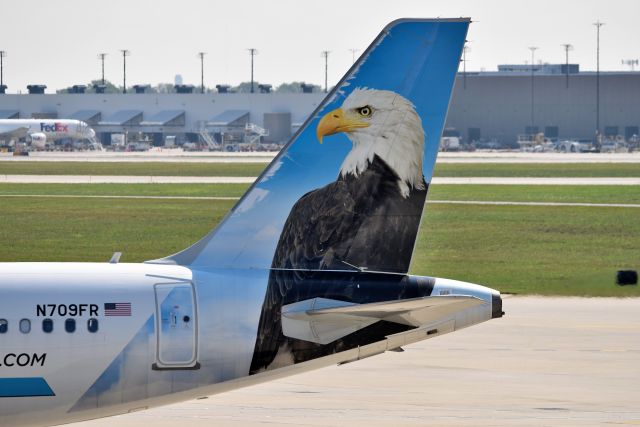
24	387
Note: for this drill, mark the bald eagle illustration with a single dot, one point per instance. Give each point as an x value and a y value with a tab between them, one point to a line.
367	220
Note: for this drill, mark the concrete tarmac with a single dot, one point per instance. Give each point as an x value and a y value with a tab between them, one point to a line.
154	155
441	202
548	362
134	179
126	179
177	155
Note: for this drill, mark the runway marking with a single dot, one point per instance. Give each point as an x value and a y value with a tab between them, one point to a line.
178	155
144	179
534	181
124	179
106	196
499	203
443	202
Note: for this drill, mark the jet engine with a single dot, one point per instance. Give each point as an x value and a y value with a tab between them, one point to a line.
38	140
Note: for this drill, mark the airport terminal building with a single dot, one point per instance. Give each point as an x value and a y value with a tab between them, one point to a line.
500	106
496	106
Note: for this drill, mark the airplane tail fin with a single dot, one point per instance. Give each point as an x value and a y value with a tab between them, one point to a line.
348	190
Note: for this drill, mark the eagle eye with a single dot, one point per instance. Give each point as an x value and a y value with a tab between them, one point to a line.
365	111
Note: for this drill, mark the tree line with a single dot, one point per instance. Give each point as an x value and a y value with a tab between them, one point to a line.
244	87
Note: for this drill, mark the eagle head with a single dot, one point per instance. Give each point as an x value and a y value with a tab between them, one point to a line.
382	123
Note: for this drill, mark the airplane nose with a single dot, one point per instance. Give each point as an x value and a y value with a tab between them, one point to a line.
496	306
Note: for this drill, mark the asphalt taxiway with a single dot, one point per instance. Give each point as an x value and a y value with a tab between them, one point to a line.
135	179
548	362
178	155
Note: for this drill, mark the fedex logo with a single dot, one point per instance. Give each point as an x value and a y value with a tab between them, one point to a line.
54	127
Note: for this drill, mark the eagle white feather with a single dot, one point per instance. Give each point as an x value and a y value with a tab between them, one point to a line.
394	133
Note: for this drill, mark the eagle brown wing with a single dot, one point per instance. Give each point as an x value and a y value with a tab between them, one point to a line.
353	223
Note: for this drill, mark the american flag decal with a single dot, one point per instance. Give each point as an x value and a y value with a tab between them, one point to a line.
117	309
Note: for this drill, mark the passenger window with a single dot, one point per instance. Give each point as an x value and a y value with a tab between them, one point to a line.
70	325
25	326
47	326
4	326
92	325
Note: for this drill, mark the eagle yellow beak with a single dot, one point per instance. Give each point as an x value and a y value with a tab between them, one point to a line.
335	121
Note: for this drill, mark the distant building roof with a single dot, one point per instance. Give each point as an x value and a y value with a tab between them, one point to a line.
540	68
90	117
166	118
123	118
141	88
78	89
184	88
44	115
36	89
230	118
9	114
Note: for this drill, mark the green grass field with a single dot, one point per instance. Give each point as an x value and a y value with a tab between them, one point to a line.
179	190
519	249
516	193
538	193
46	229
531	250
540	170
131	168
254	169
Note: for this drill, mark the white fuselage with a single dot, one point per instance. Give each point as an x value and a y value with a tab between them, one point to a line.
175	334
53	129
143	359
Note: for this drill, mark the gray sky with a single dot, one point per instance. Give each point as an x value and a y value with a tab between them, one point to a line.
56	42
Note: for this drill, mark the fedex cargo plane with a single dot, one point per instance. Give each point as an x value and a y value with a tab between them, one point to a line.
41	131
309	269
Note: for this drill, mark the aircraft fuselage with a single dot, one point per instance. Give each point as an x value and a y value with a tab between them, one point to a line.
53	129
86	340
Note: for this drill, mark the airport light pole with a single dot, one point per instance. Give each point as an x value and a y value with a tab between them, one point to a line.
253	52
101	58
631	63
464	65
567	48
353	55
533	52
325	54
125	53
201	55
598	24
3	54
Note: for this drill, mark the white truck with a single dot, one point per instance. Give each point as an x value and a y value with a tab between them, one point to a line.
450	140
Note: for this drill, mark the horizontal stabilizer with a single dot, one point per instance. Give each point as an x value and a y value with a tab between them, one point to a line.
322	320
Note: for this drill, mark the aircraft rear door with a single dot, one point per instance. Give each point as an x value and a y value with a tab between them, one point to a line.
176	326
